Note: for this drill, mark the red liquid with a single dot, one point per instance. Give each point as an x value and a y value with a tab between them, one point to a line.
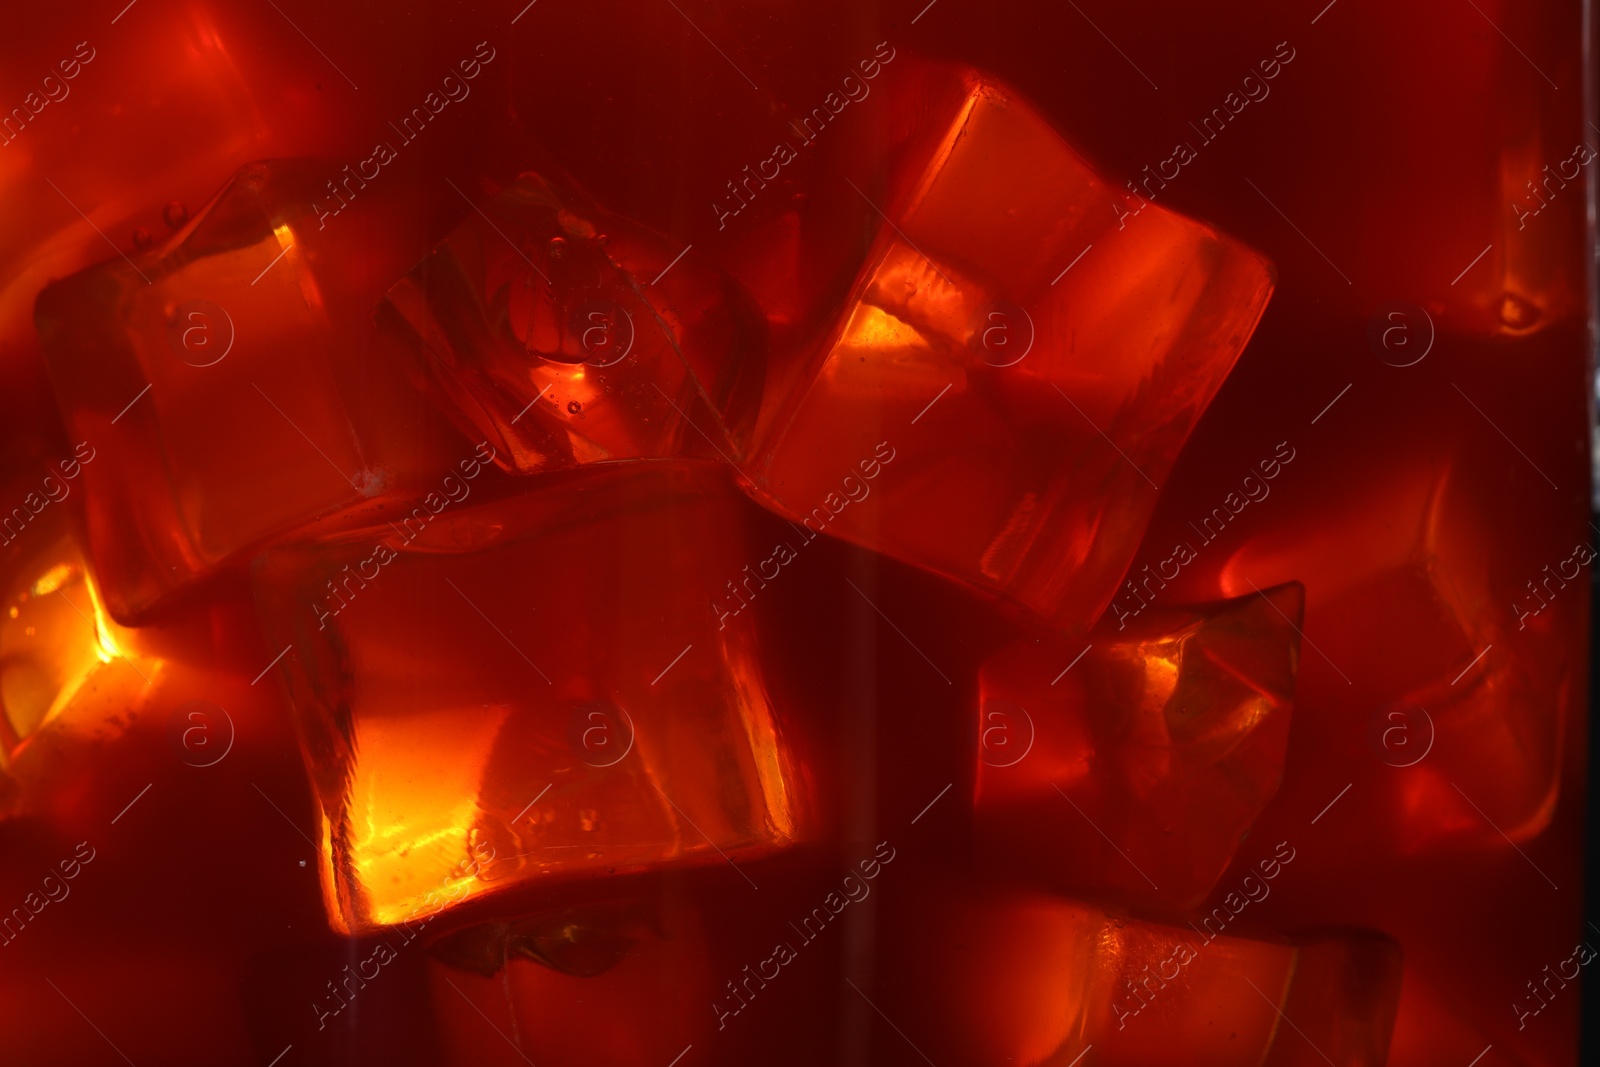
254	807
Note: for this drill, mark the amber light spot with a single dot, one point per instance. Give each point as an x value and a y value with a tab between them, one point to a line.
54	637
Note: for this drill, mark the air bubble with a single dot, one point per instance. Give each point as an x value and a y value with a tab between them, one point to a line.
175	214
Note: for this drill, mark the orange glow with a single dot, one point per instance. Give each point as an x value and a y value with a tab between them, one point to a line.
413	804
478	760
54	638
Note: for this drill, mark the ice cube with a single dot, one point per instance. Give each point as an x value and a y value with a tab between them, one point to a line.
1132	767
531	689
1032	349
232	382
1457	741
565	335
1022	977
